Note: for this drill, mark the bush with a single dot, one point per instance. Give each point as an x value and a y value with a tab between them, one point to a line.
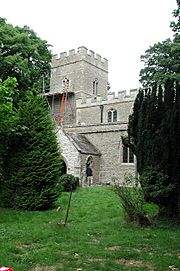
33	164
155	185
133	202
151	210
69	182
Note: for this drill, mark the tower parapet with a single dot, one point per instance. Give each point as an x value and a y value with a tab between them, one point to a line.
82	53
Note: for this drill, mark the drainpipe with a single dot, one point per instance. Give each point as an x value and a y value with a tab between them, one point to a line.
101	108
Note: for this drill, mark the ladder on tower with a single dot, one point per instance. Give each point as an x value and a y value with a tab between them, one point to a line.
62	108
63	102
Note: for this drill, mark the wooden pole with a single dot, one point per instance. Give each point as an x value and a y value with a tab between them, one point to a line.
67	212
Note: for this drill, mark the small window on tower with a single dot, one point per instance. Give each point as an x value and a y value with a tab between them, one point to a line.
95	87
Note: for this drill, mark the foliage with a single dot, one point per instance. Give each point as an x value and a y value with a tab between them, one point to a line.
7	90
33	163
161	63
153	132
155	185
8	118
69	182
154	125
23	55
133	202
175	25
151	209
26	58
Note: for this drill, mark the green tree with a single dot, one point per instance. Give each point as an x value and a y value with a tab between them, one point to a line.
154	126
8	118
161	63
24	181
154	135
175	25
33	165
23	55
7	90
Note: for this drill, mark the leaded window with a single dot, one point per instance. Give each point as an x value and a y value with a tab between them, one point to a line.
112	115
128	156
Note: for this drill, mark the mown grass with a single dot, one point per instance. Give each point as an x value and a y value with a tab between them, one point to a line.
95	238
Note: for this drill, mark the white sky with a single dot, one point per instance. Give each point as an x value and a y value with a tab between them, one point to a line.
119	30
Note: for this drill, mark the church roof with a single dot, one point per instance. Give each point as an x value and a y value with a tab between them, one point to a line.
82	144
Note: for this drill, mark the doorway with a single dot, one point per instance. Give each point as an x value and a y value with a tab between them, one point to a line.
63	168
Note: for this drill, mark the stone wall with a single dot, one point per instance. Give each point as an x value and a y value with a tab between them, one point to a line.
88	110
69	153
107	138
110	145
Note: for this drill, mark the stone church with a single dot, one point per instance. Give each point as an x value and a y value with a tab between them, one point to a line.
90	119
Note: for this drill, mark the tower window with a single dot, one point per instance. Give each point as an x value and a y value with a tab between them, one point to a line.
95	87
112	115
128	156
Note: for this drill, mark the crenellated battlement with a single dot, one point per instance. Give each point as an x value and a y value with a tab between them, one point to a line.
82	53
112	98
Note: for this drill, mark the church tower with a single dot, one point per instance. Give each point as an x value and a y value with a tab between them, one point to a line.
87	77
87	71
91	120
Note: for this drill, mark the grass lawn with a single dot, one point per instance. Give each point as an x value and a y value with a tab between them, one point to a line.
95	238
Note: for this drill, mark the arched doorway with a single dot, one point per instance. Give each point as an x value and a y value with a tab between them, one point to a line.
63	168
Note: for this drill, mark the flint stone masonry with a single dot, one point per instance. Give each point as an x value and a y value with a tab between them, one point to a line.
85	122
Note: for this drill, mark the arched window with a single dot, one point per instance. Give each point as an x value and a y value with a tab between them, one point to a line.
128	156
112	115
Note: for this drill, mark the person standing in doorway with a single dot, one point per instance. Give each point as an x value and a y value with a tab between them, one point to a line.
89	174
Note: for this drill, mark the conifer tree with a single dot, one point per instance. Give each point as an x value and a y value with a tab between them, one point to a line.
154	126
25	58
154	133
7	118
34	166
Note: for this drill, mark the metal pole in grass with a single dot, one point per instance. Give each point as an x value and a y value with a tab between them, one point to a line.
67	212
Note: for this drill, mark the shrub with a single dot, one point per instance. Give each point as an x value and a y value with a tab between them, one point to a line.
69	182
133	202
155	185
33	161
151	210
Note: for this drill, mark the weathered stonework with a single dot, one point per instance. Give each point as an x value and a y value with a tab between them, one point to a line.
69	153
86	114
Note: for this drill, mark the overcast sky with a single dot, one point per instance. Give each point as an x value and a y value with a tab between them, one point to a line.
119	30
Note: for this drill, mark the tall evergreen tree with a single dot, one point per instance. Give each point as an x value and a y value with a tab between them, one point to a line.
34	166
29	155
154	126
7	117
